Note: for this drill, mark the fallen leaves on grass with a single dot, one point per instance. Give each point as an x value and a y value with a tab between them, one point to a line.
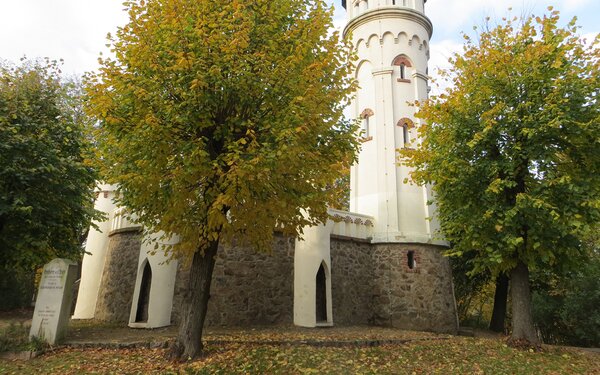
445	356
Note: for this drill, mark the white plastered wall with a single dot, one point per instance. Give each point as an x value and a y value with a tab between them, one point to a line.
309	254
93	261
162	286
380	33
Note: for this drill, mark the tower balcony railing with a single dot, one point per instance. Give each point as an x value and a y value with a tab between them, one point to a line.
361	6
351	225
122	220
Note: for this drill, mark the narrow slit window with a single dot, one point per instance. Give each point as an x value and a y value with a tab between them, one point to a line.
405	134
411	259
402	71
366	124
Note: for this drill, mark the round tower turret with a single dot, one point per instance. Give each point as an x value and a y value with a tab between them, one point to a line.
391	38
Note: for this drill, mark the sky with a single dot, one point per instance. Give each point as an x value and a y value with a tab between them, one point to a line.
75	30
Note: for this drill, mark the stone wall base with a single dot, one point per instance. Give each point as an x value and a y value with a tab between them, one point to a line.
248	288
374	284
118	279
408	286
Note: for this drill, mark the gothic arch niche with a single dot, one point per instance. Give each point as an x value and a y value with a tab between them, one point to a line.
321	294
143	300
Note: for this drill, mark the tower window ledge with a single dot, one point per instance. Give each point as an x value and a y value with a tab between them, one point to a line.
366	139
403	80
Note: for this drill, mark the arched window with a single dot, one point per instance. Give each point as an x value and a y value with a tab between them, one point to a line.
410	260
405	134
321	295
406	124
403	63
366	126
141	314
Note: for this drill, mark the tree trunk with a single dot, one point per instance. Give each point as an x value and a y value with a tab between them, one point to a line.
194	306
523	331
500	296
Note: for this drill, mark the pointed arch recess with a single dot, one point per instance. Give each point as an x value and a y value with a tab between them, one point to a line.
321	293
143	300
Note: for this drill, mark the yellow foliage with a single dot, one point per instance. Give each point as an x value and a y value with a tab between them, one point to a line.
222	119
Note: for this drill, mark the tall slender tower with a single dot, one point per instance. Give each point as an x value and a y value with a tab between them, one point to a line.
391	38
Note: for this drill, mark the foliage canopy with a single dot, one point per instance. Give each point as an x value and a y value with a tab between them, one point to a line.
222	119
512	149
46	185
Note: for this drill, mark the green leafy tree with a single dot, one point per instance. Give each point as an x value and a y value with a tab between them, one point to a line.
46	185
512	151
565	304
222	120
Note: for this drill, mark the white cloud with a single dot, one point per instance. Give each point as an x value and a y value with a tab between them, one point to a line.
456	15
572	5
73	30
589	38
440	53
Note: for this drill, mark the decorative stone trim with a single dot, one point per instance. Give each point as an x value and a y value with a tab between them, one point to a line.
136	228
402	60
368	112
423	76
350	238
351	225
389	12
104	193
403	80
405	120
383	71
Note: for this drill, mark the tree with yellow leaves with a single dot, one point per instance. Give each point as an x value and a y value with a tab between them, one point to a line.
222	120
512	151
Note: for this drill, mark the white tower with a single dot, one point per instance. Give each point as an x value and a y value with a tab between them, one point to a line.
391	38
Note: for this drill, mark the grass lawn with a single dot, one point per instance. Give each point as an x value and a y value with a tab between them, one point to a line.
446	355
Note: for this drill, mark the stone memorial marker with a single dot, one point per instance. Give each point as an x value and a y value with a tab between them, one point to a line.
53	303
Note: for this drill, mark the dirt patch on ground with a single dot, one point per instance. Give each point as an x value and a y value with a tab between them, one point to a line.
90	334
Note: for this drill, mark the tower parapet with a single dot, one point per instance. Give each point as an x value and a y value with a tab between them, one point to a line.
355	8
